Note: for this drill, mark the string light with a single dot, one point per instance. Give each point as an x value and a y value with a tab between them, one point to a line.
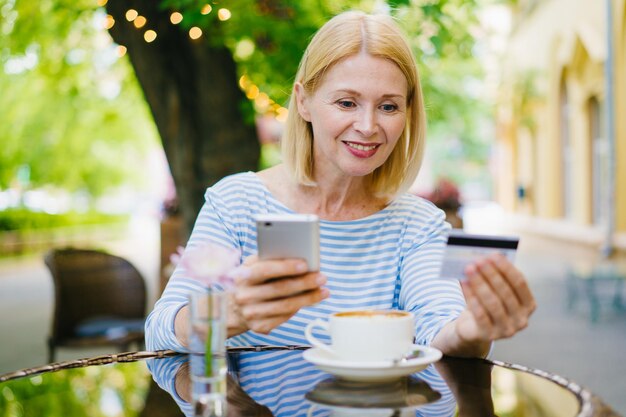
176	18
102	3
244	49
121	50
244	82
195	32
131	14
109	22
223	14
262	102
140	22
281	114
252	92
149	36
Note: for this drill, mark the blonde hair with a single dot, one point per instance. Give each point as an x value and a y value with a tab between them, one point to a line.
342	36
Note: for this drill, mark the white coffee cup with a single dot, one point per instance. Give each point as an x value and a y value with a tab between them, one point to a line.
365	335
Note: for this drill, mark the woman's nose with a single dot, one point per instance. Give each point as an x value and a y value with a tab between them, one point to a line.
365	122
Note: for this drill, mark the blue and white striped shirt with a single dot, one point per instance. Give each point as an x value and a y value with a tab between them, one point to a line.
390	259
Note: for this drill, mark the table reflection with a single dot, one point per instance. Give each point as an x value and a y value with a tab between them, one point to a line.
282	383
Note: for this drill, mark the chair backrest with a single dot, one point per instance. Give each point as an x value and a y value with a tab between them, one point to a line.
90	284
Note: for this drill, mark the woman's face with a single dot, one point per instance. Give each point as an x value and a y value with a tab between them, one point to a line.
357	113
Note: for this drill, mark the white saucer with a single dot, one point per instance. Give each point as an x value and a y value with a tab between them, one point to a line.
371	371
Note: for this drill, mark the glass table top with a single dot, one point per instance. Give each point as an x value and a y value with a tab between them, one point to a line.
281	383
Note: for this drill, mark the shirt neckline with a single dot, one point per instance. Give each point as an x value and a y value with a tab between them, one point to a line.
271	196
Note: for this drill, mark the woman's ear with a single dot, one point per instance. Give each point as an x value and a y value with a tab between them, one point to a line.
301	101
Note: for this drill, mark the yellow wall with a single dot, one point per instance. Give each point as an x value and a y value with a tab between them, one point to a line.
586	80
620	112
561	43
564	43
505	158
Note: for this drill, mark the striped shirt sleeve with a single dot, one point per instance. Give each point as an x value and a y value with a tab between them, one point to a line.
433	301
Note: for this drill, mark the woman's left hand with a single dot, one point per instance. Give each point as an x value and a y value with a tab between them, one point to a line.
499	301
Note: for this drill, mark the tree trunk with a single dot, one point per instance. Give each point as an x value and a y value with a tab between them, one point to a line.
191	87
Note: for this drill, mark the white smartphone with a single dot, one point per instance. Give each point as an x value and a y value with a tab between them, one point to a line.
282	236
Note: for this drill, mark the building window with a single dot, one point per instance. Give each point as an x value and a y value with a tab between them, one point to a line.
567	153
599	162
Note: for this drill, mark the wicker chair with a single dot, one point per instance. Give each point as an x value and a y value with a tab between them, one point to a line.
100	299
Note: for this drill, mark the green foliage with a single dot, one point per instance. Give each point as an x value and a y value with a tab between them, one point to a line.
92	391
278	32
268	37
22	219
452	80
62	115
270	155
58	123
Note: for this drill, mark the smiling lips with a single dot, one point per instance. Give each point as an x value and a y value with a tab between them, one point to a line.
360	150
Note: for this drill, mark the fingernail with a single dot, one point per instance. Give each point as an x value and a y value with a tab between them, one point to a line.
301	267
325	293
320	279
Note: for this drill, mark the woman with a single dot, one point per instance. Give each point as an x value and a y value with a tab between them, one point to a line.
352	146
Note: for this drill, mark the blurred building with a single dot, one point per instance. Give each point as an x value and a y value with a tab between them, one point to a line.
554	150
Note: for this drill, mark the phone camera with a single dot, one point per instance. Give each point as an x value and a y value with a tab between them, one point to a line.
268	224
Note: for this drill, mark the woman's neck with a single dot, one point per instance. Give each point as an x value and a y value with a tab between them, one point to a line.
343	203
338	200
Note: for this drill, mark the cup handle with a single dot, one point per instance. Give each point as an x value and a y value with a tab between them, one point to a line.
308	333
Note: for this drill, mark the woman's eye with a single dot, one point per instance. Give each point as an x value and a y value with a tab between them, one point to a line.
389	107
346	104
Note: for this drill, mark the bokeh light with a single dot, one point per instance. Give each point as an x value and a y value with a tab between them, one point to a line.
121	50
195	32
223	14
149	36
131	14
109	22
176	18
140	22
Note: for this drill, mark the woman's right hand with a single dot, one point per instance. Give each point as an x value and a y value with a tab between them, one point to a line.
268	293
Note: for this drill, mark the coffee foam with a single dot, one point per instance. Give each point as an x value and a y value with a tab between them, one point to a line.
374	314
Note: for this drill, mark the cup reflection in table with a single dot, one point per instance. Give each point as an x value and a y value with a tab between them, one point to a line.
207	346
400	397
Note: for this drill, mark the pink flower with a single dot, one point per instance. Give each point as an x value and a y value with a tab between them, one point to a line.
208	263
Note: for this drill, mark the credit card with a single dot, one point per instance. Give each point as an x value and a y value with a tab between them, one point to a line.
463	249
